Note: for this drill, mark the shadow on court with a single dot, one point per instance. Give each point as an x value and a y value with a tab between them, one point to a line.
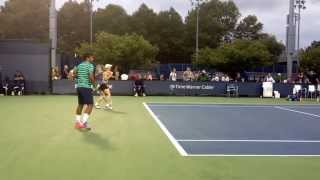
97	140
117	112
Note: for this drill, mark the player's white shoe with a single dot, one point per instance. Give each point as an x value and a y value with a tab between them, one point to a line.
108	107
97	106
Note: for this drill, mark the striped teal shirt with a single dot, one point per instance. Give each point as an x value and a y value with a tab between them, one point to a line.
83	72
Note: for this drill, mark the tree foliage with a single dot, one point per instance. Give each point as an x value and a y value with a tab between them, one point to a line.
25	19
144	22
113	19
274	47
73	26
249	28
171	30
175	38
127	51
235	57
310	59
217	20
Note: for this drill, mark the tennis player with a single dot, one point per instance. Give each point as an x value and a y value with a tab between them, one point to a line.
85	80
105	89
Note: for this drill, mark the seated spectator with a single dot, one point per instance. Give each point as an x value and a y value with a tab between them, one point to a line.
139	88
55	73
238	78
173	75
300	78
162	78
204	77
225	78
196	75
188	75
215	78
269	78
7	86
149	76
312	76
18	84
65	72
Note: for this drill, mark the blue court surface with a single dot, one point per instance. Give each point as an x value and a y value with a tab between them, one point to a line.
240	130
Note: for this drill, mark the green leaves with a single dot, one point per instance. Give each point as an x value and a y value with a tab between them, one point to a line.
73	26
236	57
127	51
112	19
249	28
25	19
166	30
310	59
217	20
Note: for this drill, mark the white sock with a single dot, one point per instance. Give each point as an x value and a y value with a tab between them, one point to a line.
78	118
85	118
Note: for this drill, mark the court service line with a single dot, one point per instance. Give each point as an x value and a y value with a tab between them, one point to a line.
166	132
258	141
300	112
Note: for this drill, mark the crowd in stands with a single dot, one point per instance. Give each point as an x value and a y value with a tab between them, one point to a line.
188	75
13	86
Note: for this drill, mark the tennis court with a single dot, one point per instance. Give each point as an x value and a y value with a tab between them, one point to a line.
240	129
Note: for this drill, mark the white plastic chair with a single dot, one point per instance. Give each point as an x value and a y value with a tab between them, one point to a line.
311	91
296	89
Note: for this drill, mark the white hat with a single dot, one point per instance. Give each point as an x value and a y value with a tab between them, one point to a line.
108	66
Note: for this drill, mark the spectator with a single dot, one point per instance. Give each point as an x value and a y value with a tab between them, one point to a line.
7	85
65	72
139	89
215	78
188	75
269	78
162	78
225	78
196	75
312	76
238	78
203	76
55	73
173	75
116	73
300	78
149	76
18	83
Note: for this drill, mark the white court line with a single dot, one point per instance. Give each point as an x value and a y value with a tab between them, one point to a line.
262	141
166	132
300	112
249	155
212	105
